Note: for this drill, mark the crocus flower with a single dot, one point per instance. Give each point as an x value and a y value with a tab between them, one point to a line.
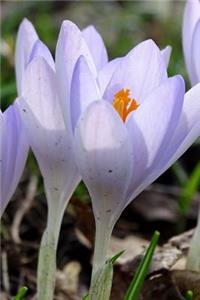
191	47
14	146
124	141
27	47
13	153
52	145
191	39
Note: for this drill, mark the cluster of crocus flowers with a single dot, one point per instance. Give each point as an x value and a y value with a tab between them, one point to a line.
118	125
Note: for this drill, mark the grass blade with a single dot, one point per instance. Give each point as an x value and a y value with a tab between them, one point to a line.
21	293
137	282
189	295
191	187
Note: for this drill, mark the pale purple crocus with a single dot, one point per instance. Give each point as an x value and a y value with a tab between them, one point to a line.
14	145
88	44
12	162
140	126
191	47
13	153
191	39
52	145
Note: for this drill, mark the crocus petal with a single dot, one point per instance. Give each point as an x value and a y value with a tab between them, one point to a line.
187	131
96	46
141	70
188	128
13	153
166	53
71	45
191	17
152	125
48	137
196	50
26	38
103	156
40	49
84	90
106	73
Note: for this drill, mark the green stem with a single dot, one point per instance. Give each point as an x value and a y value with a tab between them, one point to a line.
193	260
102	272
47	255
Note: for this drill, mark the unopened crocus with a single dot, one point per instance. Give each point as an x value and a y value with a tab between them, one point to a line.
14	146
191	39
52	145
139	127
13	153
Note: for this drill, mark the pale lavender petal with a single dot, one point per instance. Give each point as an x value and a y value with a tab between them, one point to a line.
84	90
49	139
152	125
70	47
103	155
96	46
191	17
13	154
196	50
166	53
40	49
187	131
141	70
188	128
26	38
106	73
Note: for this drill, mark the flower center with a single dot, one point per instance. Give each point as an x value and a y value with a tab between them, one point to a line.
124	104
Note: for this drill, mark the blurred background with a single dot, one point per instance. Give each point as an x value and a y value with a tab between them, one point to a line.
122	25
169	205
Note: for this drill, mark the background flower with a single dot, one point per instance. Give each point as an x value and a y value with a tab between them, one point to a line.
191	39
13	153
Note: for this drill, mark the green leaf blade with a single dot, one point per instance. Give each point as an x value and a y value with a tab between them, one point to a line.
189	190
21	293
137	282
189	295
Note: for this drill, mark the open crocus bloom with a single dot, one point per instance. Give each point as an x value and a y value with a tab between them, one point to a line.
88	44
191	39
13	153
141	125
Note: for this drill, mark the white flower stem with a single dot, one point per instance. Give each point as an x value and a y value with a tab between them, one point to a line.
193	260
101	281
47	255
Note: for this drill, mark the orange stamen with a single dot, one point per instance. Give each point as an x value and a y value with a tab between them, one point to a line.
124	104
